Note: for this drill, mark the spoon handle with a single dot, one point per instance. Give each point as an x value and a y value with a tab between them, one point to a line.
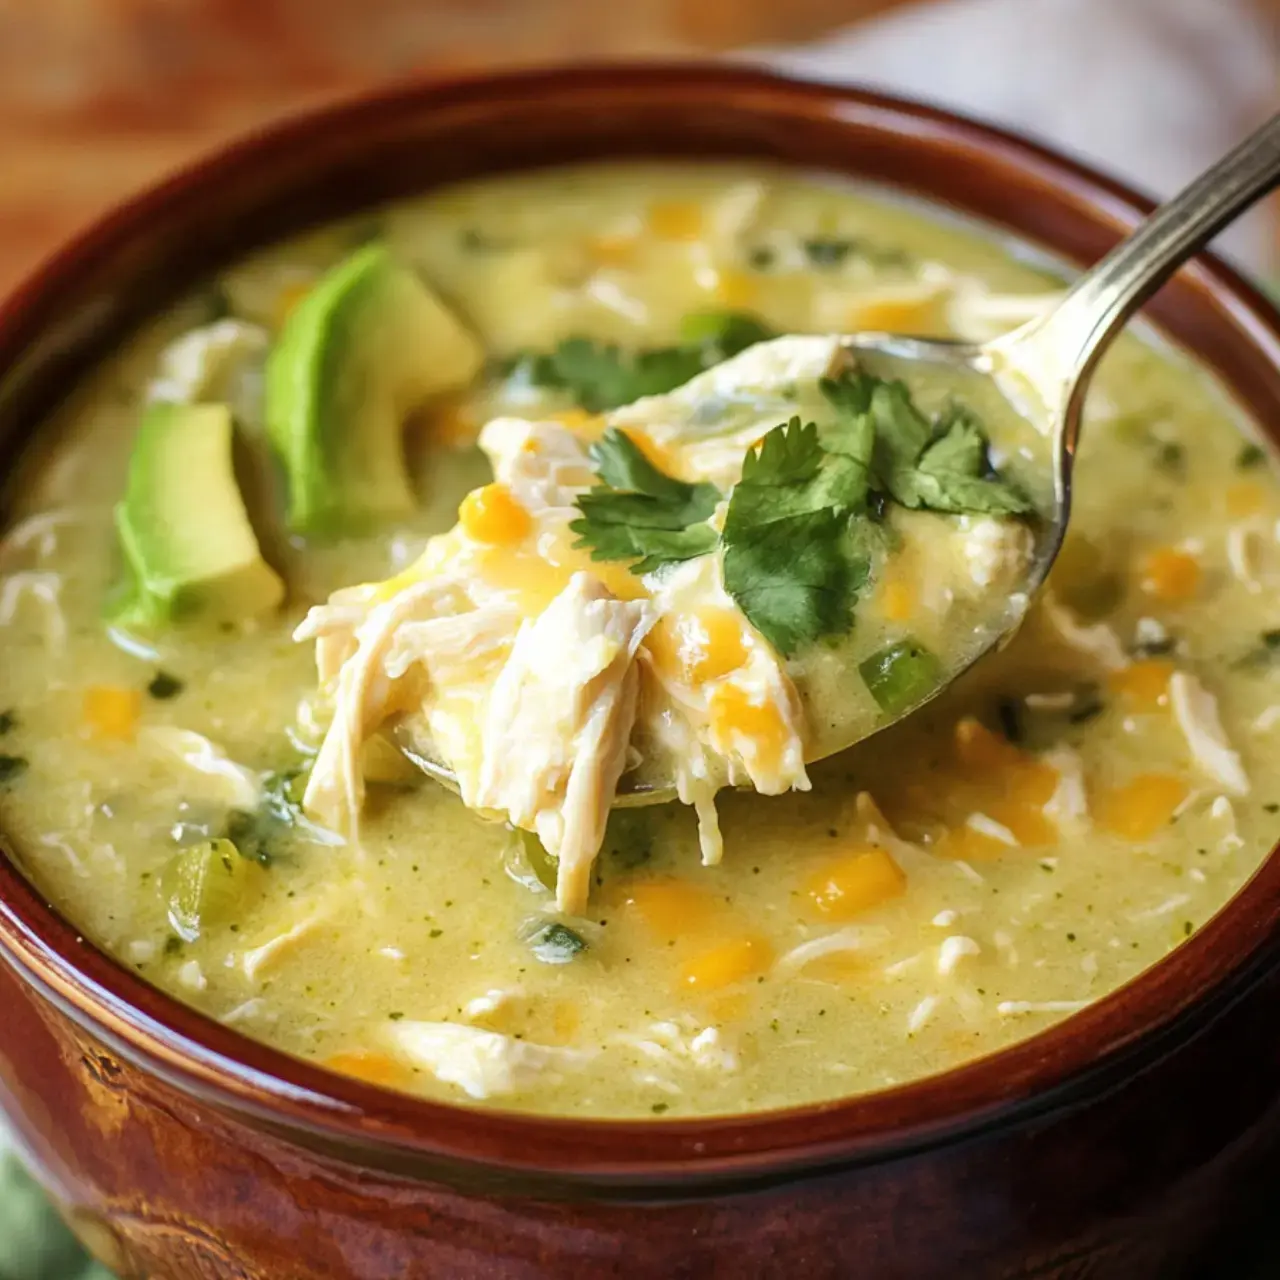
1103	298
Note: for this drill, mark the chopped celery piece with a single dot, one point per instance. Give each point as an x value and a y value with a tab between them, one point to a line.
207	884
901	675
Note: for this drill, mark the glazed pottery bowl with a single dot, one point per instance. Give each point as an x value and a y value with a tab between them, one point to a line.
1113	1145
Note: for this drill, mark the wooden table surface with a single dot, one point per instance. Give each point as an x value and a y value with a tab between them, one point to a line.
99	97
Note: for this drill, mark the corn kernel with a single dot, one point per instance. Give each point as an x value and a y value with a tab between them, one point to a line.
737	289
587	426
1138	809
373	1068
673	908
1171	575
1145	684
965	843
897	601
993	761
733	714
1031	782
894	315
726	964
855	883
979	749
1027	821
698	647
675	220
564	560
453	425
666	460
110	712
1245	498
490	514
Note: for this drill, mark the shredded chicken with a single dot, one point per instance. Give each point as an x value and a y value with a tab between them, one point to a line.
484	1064
1196	711
1068	807
362	700
222	361
995	551
854	937
255	960
237	785
1097	641
558	726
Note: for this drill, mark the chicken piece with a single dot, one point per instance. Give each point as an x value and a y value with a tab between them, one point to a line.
483	1064
558	724
1196	711
543	464
1097	640
996	552
225	779
364	697
725	718
222	361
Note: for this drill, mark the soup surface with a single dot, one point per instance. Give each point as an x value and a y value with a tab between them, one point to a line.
1071	810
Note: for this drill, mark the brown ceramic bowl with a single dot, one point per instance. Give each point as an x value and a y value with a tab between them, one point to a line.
1112	1145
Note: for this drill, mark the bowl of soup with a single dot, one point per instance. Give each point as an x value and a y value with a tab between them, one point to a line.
476	429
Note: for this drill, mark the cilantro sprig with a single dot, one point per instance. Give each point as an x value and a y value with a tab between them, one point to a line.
792	561
600	376
802	519
936	467
639	513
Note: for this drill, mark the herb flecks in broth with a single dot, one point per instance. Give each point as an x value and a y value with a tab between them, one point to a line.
1043	831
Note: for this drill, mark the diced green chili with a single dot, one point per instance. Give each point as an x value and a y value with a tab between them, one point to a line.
901	675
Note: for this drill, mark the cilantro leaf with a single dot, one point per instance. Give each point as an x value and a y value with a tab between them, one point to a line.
639	513
954	473
943	469
793	472
791	563
600	376
797	578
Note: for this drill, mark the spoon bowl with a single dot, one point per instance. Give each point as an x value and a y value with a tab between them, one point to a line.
1040	373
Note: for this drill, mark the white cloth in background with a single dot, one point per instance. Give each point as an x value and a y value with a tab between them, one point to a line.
1151	90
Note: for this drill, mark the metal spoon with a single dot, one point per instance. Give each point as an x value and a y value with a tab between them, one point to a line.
1043	368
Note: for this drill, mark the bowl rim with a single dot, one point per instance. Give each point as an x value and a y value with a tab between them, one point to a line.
1174	999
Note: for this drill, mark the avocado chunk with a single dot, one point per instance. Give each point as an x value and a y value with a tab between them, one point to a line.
363	350
189	549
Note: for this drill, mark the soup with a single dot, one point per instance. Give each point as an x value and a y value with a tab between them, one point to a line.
1072	809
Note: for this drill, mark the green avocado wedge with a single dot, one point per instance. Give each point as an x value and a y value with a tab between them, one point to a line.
189	549
363	350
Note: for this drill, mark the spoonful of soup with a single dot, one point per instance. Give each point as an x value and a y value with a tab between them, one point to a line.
721	584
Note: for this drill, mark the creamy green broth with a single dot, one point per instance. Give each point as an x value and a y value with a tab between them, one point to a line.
1058	821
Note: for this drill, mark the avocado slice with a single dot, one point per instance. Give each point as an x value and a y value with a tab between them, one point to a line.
189	549
364	349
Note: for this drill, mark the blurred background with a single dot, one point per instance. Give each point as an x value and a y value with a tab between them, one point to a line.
98	97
